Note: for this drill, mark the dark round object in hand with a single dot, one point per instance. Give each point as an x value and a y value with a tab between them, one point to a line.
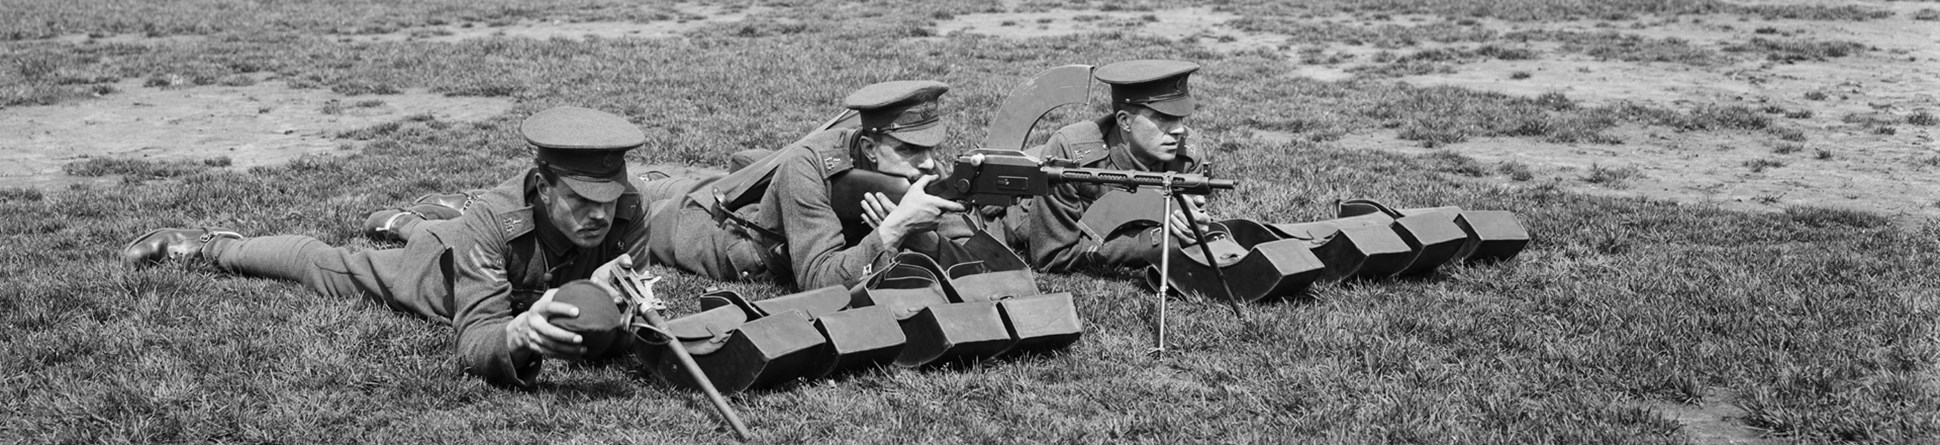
599	320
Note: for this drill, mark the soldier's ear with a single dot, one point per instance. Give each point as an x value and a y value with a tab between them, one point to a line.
867	146
1124	119
544	187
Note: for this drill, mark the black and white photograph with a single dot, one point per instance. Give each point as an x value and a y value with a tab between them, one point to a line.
970	222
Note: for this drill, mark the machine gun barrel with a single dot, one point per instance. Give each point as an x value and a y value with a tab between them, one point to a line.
1191	184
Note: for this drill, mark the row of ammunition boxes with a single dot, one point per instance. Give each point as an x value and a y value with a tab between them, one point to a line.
912	314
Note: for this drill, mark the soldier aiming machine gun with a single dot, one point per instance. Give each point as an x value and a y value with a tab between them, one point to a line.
997	177
1000	177
1000	174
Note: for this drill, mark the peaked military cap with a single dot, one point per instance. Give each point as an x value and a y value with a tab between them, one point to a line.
904	109
586	147
1156	84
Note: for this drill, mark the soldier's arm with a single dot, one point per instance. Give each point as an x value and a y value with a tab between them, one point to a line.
1048	227
1131	248
1058	240
814	233
482	305
1140	246
1055	235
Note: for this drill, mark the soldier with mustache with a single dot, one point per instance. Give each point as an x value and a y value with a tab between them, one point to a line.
493	272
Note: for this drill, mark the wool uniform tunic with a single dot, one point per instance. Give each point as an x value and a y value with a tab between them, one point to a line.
1049	230
774	218
771	219
483	269
476	272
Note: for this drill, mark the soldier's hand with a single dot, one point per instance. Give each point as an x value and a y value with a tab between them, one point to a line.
875	207
533	332
1195	204
918	212
604	275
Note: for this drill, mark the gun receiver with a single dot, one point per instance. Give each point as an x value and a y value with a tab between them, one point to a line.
997	177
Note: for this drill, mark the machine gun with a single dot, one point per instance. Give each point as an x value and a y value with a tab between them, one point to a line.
1000	177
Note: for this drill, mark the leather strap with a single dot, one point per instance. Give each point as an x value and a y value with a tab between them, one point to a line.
723	213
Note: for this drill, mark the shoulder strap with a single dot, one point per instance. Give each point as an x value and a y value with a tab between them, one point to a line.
832	148
1191	160
1083	142
527	277
745	186
516	222
629	207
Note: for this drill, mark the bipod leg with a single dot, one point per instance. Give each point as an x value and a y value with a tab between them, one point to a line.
1218	273
1165	265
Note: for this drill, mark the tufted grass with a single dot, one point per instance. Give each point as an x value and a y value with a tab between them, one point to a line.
1817	322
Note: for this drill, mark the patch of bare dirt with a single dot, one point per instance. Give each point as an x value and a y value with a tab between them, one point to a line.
1860	151
1714	420
1732	169
263	124
696	16
1902	72
133	39
1200	22
1840	105
690	18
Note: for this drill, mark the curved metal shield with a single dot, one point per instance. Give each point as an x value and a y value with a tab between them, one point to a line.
1011	125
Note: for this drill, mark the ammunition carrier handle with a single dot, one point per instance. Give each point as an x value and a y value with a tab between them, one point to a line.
1191	184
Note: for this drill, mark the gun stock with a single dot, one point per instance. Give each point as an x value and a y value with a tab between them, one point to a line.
847	190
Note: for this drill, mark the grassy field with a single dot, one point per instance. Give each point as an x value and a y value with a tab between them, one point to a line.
1818	323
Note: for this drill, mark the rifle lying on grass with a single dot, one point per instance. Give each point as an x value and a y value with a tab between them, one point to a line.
638	287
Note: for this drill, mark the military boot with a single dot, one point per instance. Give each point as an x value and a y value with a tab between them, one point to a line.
161	245
385	224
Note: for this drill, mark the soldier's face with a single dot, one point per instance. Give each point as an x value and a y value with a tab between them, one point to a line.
896	158
584	221
1153	136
